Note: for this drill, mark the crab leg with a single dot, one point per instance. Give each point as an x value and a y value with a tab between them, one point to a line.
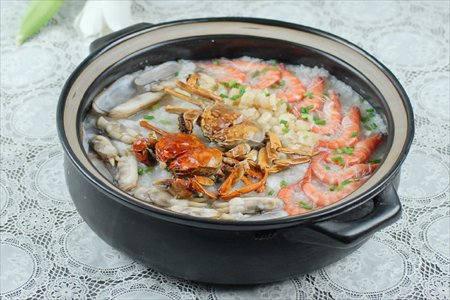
297	151
182	96
204	180
231	180
247	189
199	188
196	90
263	159
147	125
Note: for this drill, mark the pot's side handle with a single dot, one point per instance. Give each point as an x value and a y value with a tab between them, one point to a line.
387	209
102	42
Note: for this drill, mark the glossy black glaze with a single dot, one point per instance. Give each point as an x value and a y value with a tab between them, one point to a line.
229	254
208	255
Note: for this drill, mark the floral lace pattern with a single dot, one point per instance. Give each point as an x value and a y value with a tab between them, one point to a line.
47	251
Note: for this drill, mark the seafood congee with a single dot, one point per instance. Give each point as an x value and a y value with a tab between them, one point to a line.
234	139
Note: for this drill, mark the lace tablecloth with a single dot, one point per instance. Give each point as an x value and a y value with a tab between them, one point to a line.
47	251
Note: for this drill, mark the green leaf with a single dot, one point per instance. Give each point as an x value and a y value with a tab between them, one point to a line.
146	117
39	12
271	192
283	183
309	95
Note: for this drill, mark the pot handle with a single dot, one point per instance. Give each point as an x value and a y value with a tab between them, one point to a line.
104	41
387	209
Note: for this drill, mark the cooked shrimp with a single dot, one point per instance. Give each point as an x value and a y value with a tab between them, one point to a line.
293	88
362	151
313	95
323	197
222	73
295	201
331	115
337	175
349	133
259	75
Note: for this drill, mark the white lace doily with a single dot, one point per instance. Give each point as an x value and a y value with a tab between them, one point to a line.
47	251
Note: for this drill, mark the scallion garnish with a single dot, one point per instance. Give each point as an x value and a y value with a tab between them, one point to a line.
338	159
146	170
374	161
318	121
166	122
286	130
327	168
146	117
241	91
342	184
223	96
256	73
305	205
233	84
309	95
284	122
361	100
354	133
370	110
332	188
271	192
283	183
235	97
216	62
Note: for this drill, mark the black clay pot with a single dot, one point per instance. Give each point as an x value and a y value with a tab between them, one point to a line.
229	252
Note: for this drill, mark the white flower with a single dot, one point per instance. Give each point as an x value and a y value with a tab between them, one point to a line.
100	17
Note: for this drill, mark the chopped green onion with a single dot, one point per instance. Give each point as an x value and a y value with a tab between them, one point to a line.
305	205
271	192
332	188
365	119
288	106
264	71
275	86
286	130
354	133
235	97
256	73
266	92
233	84
146	170
177	73
284	122
282	82
223	96
318	121
283	183
327	168
368	127
338	159
345	150
216	62
309	95
166	122
241	91
305	112
156	106
146	117
342	184
198	71
361	100
374	161
370	110
374	126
